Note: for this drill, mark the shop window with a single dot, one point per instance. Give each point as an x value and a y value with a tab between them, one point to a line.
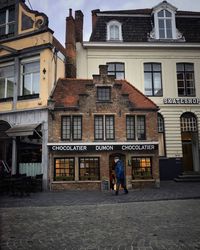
152	79
185	79
6	81
7	22
71	128
114	31
103	94
141	167
64	169
89	168
30	78
161	135
135	127
116	69
104	127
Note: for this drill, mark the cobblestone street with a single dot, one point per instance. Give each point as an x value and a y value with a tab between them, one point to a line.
55	221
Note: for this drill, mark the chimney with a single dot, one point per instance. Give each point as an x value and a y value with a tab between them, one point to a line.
94	17
79	25
70	45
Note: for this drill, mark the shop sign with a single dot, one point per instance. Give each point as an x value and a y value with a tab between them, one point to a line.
100	148
181	101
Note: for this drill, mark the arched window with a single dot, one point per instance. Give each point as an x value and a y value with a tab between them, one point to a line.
165	24
161	135
188	122
114	31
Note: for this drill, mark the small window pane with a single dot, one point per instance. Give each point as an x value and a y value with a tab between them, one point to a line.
167	13
2	17
161	13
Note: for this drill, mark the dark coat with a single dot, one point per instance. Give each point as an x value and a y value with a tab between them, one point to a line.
119	170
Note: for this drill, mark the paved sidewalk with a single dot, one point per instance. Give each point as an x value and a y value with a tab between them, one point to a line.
169	190
149	219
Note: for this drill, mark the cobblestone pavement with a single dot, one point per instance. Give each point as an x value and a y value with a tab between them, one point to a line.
150	219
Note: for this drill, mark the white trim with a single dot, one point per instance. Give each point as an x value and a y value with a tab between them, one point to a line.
117	24
141	45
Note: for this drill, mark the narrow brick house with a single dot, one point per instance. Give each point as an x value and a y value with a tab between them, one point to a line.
92	121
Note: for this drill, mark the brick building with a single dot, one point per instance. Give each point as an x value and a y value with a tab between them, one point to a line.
92	121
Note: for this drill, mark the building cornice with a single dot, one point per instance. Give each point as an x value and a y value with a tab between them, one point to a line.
156	44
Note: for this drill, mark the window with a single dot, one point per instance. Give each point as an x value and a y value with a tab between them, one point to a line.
161	135
104	127
89	168
165	24
188	123
6	81
64	169
116	69
30	77
141	167
152	79
114	31
185	79
71	128
103	94
135	127
7	22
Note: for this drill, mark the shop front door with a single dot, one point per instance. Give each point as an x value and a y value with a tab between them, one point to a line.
187	156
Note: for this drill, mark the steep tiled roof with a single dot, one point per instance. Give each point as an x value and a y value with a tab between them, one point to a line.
137	24
67	93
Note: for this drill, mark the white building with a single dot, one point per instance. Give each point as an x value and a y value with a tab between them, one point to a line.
158	51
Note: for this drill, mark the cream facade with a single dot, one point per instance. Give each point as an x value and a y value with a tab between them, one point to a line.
181	146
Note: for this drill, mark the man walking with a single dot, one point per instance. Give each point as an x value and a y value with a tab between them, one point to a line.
119	173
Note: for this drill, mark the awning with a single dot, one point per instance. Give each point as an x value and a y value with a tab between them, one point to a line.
22	130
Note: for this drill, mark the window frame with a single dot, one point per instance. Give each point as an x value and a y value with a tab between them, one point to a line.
170	9
136	124
7	23
89	177
140	171
64	177
101	93
71	127
24	62
6	79
184	73
115	71
116	24
103	129
152	73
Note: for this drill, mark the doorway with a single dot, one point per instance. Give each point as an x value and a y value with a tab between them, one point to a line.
122	157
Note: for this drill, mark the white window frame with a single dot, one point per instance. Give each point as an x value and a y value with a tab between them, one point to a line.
109	25
6	79
168	7
22	62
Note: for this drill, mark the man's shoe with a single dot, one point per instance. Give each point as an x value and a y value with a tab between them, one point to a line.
126	191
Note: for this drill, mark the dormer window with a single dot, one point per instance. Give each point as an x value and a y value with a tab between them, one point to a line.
7	22
114	31
165	24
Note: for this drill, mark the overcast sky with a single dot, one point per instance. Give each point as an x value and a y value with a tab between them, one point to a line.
58	10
